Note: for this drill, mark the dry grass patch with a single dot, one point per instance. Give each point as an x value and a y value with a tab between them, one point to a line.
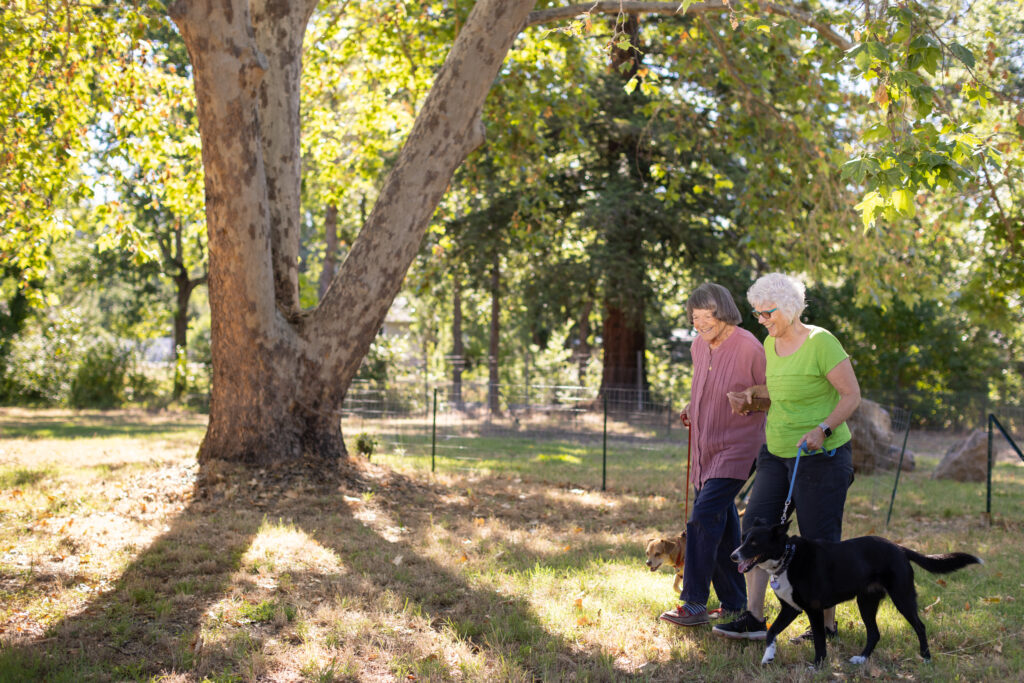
111	569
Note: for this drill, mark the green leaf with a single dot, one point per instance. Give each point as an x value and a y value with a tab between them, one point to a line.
875	133
963	54
903	201
683	6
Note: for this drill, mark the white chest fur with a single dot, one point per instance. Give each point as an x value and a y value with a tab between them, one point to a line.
783	588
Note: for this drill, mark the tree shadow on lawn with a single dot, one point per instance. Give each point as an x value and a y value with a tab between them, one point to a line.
185	588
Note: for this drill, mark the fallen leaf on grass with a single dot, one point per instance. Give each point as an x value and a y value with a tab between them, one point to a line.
479	521
941	582
578	603
577	530
929	607
397	561
582	620
992	600
464	558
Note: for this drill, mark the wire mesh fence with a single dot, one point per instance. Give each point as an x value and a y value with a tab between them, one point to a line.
568	434
626	440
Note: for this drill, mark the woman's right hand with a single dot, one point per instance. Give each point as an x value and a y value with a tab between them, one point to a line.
741	402
684	415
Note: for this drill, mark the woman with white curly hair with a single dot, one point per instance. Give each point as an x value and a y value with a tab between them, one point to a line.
813	391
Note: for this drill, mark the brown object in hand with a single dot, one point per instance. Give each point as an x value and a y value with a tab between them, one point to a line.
739	404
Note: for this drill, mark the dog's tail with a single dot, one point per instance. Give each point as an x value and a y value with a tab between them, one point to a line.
941	564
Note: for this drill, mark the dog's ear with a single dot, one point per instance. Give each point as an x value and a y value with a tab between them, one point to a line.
781	530
650	541
759	521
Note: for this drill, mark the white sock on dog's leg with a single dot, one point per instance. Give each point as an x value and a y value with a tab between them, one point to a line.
769	654
857	659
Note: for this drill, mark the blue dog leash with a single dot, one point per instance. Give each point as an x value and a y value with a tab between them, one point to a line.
792	480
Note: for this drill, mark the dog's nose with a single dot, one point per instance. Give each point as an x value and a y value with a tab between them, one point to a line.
735	557
648	563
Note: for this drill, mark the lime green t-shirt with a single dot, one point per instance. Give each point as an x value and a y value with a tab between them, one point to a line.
802	397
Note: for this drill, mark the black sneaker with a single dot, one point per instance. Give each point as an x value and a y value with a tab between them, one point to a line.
808	635
747	627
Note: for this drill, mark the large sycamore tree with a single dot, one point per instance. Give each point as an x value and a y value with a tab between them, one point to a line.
280	373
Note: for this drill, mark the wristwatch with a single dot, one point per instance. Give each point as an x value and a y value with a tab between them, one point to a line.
825	429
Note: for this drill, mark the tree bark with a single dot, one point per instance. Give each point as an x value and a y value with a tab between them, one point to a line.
279	375
494	347
624	344
458	349
583	348
330	266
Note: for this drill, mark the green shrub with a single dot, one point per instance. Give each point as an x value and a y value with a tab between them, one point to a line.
41	362
100	379
365	444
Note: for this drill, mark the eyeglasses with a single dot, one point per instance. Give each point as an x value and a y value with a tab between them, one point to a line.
764	314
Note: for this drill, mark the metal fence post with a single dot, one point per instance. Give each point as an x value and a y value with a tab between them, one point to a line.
433	435
604	446
899	468
988	486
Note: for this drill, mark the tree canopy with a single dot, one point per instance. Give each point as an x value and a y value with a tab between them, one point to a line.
632	150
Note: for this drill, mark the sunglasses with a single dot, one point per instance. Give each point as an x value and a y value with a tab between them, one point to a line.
764	314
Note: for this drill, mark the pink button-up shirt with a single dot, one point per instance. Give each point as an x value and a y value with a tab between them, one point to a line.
724	444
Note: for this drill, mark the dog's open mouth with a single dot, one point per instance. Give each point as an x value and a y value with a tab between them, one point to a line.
745	565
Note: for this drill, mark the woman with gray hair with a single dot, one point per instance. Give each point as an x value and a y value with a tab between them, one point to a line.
813	392
725	358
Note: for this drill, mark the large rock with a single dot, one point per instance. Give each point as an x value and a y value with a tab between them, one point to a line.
873	444
966	460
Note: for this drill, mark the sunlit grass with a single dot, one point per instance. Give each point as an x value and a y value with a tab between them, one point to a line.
516	568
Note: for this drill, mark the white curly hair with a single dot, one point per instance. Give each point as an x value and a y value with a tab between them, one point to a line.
780	290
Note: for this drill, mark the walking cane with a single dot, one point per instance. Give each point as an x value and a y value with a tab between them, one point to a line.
689	443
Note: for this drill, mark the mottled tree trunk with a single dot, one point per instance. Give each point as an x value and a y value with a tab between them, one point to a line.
279	374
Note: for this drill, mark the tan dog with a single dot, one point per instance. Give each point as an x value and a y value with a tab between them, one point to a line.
671	551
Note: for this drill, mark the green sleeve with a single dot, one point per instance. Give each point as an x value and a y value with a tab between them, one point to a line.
830	352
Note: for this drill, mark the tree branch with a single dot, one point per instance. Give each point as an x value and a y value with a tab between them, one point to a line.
547	16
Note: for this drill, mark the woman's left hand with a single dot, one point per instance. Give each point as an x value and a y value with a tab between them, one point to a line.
814	440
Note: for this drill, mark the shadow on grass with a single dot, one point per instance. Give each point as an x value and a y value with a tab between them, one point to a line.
150	622
91	426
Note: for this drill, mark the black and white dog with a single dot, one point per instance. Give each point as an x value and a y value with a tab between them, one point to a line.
811	576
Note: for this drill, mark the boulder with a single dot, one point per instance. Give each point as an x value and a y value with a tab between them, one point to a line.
871	428
965	460
889	461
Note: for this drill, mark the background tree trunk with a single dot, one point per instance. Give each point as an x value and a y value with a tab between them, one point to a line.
330	266
624	344
494	347
458	350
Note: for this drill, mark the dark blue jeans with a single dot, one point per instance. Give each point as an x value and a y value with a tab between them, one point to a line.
712	533
819	494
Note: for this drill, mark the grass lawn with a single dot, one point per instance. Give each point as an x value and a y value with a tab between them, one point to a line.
509	563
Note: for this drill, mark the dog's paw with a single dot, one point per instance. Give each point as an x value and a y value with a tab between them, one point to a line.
857	659
769	654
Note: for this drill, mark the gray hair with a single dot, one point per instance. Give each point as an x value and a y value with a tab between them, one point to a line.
714	298
780	290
